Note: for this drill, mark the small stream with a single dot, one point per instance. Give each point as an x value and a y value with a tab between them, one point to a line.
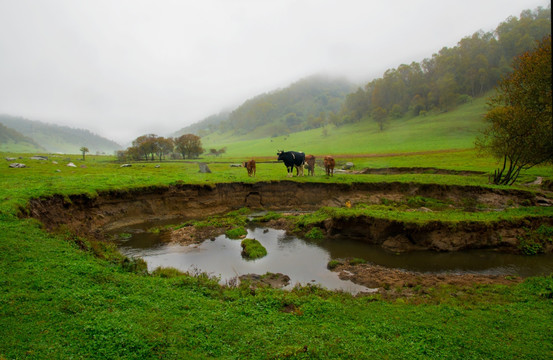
306	262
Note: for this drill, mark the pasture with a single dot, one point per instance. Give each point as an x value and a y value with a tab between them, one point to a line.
64	298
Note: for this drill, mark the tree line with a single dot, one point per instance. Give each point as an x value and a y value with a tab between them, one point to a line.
153	147
450	77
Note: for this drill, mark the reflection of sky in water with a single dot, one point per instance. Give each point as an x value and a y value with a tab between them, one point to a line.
303	262
306	262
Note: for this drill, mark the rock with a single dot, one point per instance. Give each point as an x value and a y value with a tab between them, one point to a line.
204	168
348	165
10	159
17	165
54	162
157	166
58	170
275	281
37	157
126	165
83	166
235	165
71	165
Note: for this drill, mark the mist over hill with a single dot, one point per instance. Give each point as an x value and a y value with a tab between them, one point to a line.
301	106
55	138
451	77
13	141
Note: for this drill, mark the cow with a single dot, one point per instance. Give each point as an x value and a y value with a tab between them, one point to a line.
292	159
250	166
310	164
329	165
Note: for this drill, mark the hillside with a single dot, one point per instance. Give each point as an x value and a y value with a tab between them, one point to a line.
450	78
302	105
56	138
13	141
455	129
203	127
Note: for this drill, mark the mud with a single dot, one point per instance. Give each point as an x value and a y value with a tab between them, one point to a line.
93	216
401	283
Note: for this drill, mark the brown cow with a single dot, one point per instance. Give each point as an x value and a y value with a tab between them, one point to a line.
250	166
329	165
310	164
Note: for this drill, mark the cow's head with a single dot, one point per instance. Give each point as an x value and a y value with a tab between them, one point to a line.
279	153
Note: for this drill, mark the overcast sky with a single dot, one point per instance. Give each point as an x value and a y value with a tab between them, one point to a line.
124	68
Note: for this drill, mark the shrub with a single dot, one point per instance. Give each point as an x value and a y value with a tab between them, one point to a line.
252	249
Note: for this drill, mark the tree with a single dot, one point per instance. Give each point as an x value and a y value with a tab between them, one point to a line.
520	129
164	146
84	150
189	145
379	115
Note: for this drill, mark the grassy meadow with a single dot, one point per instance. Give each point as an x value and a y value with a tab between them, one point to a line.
63	298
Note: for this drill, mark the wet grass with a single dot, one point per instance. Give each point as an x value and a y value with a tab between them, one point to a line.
64	297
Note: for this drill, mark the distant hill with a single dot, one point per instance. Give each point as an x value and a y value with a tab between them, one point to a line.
56	138
13	141
203	127
303	105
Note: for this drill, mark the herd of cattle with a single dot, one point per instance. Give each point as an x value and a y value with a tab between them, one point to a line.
297	160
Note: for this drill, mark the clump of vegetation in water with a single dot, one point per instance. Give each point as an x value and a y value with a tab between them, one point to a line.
356	261
236	233
271	215
332	264
533	242
315	234
252	249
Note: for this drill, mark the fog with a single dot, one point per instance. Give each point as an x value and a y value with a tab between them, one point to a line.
130	67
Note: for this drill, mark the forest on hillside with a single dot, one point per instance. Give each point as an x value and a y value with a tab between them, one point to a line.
450	77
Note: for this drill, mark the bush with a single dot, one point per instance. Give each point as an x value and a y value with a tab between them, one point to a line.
252	249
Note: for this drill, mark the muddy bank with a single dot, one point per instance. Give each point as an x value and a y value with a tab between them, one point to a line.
93	216
400	283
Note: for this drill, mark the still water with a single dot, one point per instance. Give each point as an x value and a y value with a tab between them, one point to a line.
305	261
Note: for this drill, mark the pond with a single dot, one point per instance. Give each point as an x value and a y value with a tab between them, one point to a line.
305	262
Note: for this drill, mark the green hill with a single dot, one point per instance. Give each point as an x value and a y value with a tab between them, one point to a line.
13	141
455	129
55	138
303	105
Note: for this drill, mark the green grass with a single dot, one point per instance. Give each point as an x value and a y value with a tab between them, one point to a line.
452	130
63	297
252	249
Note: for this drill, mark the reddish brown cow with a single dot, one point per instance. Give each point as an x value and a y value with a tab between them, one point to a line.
250	166
310	164
329	165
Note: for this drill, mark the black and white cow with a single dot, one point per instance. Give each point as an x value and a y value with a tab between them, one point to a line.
292	159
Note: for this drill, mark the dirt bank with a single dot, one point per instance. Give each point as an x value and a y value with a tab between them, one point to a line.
92	216
393	283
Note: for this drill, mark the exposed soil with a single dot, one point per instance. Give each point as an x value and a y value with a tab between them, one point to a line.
94	216
395	282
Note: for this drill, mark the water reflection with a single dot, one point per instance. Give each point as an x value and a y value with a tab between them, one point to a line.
302	261
305	262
